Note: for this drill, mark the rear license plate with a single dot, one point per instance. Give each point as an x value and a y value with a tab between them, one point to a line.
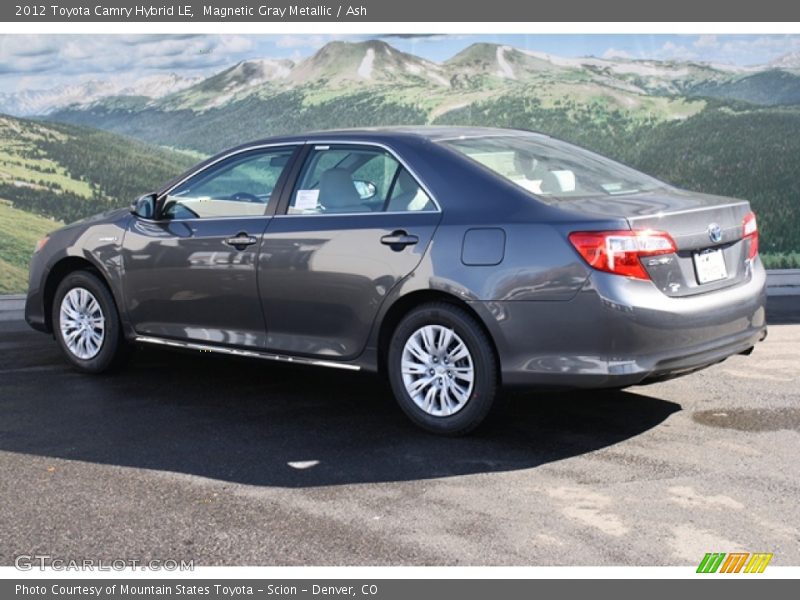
710	266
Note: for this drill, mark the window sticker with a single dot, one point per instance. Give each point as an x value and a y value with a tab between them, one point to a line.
306	199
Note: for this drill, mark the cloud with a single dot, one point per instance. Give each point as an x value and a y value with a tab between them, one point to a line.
745	50
28	46
150	38
727	49
672	51
409	36
612	53
313	42
706	41
426	38
54	59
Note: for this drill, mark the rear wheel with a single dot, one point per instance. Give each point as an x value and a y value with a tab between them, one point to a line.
442	369
86	324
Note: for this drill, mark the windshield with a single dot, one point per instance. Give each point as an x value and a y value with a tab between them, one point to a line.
549	168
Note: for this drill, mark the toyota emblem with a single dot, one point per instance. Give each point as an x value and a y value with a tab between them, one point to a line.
715	232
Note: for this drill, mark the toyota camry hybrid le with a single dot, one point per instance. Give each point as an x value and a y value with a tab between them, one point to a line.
452	260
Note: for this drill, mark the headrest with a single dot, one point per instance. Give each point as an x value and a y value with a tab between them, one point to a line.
336	188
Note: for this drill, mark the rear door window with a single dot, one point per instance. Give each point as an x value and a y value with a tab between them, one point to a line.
355	179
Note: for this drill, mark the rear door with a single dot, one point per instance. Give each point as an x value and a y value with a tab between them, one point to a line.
191	274
356	222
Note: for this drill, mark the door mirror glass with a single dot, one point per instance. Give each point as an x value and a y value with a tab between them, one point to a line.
144	206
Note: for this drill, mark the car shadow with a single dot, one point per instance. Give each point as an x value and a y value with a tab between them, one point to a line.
264	424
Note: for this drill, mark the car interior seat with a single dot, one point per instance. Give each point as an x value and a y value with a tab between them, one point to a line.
337	192
550	183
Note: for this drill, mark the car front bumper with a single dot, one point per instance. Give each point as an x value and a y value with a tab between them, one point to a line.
618	331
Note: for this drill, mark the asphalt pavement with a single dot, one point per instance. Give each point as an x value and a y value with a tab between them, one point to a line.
241	462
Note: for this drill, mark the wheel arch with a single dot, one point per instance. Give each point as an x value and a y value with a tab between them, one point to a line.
56	275
408	302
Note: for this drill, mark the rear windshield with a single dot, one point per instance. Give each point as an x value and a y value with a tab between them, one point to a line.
549	168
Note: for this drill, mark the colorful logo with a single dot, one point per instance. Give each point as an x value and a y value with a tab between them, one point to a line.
734	562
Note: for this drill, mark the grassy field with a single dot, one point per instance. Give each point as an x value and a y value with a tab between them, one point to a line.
19	232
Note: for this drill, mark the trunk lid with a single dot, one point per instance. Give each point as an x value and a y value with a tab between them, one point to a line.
707	231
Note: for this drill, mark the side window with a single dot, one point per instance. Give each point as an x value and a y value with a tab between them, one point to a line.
349	179
408	195
238	187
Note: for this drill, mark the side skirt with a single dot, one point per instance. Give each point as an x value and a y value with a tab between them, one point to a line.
143	339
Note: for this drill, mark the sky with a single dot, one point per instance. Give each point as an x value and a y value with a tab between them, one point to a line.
31	62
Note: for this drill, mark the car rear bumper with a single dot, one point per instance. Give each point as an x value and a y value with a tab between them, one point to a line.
618	332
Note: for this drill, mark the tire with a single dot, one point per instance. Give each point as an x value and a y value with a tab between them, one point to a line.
86	324
450	404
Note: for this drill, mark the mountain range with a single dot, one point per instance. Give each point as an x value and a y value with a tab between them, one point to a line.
340	65
43	102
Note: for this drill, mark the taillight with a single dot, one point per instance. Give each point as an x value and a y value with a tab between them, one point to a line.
750	232
620	252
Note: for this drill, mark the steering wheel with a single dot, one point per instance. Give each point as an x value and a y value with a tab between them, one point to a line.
244	197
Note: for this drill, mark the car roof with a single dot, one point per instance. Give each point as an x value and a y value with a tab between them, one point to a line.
387	134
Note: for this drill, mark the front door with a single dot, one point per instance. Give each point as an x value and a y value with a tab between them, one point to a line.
191	274
357	222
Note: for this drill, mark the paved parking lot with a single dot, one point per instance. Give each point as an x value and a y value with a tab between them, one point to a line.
187	456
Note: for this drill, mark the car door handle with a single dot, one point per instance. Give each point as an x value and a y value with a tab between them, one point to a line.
241	241
397	240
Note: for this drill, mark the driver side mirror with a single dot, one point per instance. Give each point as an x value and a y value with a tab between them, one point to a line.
145	206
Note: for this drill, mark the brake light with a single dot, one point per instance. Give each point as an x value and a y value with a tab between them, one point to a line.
619	252
750	231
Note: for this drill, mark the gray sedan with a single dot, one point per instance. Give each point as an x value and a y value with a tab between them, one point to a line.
452	260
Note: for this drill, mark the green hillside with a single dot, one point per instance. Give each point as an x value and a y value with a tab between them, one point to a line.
213	130
68	172
769	88
752	154
19	232
52	173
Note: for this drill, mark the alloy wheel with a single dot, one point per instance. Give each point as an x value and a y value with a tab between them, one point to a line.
82	323
438	370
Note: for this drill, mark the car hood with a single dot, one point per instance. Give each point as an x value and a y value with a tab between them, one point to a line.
108	216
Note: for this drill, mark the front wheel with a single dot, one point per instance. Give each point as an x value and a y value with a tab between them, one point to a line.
442	369
86	323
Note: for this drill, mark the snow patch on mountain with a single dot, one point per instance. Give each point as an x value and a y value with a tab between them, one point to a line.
365	68
439	79
505	68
